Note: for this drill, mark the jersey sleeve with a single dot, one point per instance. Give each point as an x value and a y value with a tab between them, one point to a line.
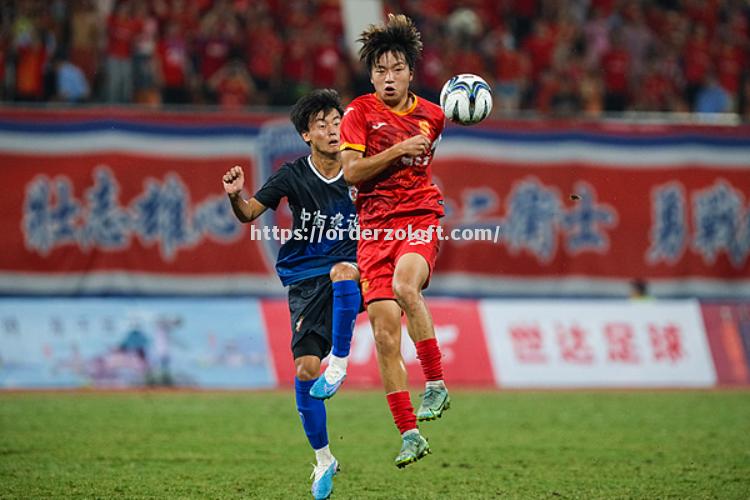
439	127
274	189
353	129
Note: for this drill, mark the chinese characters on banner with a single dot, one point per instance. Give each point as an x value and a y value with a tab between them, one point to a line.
135	205
597	344
573	344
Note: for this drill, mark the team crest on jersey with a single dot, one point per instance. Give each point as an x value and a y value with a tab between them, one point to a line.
353	193
424	127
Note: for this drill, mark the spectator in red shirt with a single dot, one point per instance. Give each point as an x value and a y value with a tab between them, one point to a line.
616	66
285	52
512	76
144	56
469	60
696	61
546	88
174	69
186	14
213	49
30	61
296	67
729	66
263	48
329	16
122	29
233	85
654	88
607	6
540	47
432	68
295	62
326	59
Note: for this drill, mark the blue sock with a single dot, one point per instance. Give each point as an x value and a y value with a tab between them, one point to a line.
346	301
312	412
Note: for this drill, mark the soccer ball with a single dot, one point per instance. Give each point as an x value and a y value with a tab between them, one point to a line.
466	99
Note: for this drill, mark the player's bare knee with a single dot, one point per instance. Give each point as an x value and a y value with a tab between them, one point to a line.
304	374
307	371
406	294
386	342
344	271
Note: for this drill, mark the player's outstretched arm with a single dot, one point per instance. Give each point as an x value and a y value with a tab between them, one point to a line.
244	210
358	168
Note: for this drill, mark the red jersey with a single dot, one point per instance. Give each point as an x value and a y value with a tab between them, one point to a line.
122	32
405	187
173	56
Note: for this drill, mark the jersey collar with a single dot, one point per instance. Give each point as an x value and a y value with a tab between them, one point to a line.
315	171
401	113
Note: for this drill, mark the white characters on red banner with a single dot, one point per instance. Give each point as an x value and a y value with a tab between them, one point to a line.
721	224
161	214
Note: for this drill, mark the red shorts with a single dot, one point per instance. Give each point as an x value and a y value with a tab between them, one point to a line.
377	256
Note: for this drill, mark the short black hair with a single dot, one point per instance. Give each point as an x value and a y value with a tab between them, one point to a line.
309	105
397	35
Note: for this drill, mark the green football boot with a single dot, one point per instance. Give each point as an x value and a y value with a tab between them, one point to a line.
413	447
435	401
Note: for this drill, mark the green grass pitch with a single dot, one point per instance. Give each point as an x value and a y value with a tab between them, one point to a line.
619	444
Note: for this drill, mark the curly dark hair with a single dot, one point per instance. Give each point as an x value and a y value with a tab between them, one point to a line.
397	35
309	105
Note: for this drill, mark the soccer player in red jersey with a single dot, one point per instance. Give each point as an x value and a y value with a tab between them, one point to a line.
388	140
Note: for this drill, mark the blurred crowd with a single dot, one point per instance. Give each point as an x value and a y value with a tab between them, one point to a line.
557	57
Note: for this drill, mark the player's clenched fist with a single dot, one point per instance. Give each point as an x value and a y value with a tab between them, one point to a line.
233	180
415	146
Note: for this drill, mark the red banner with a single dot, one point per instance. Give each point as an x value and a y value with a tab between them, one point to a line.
574	219
134	204
457	327
123	212
728	332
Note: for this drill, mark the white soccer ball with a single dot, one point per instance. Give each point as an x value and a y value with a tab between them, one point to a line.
466	99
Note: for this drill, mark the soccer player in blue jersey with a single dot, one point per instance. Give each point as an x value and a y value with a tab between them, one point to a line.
321	273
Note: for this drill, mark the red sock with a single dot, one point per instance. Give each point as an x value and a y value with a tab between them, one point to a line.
402	411
428	352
